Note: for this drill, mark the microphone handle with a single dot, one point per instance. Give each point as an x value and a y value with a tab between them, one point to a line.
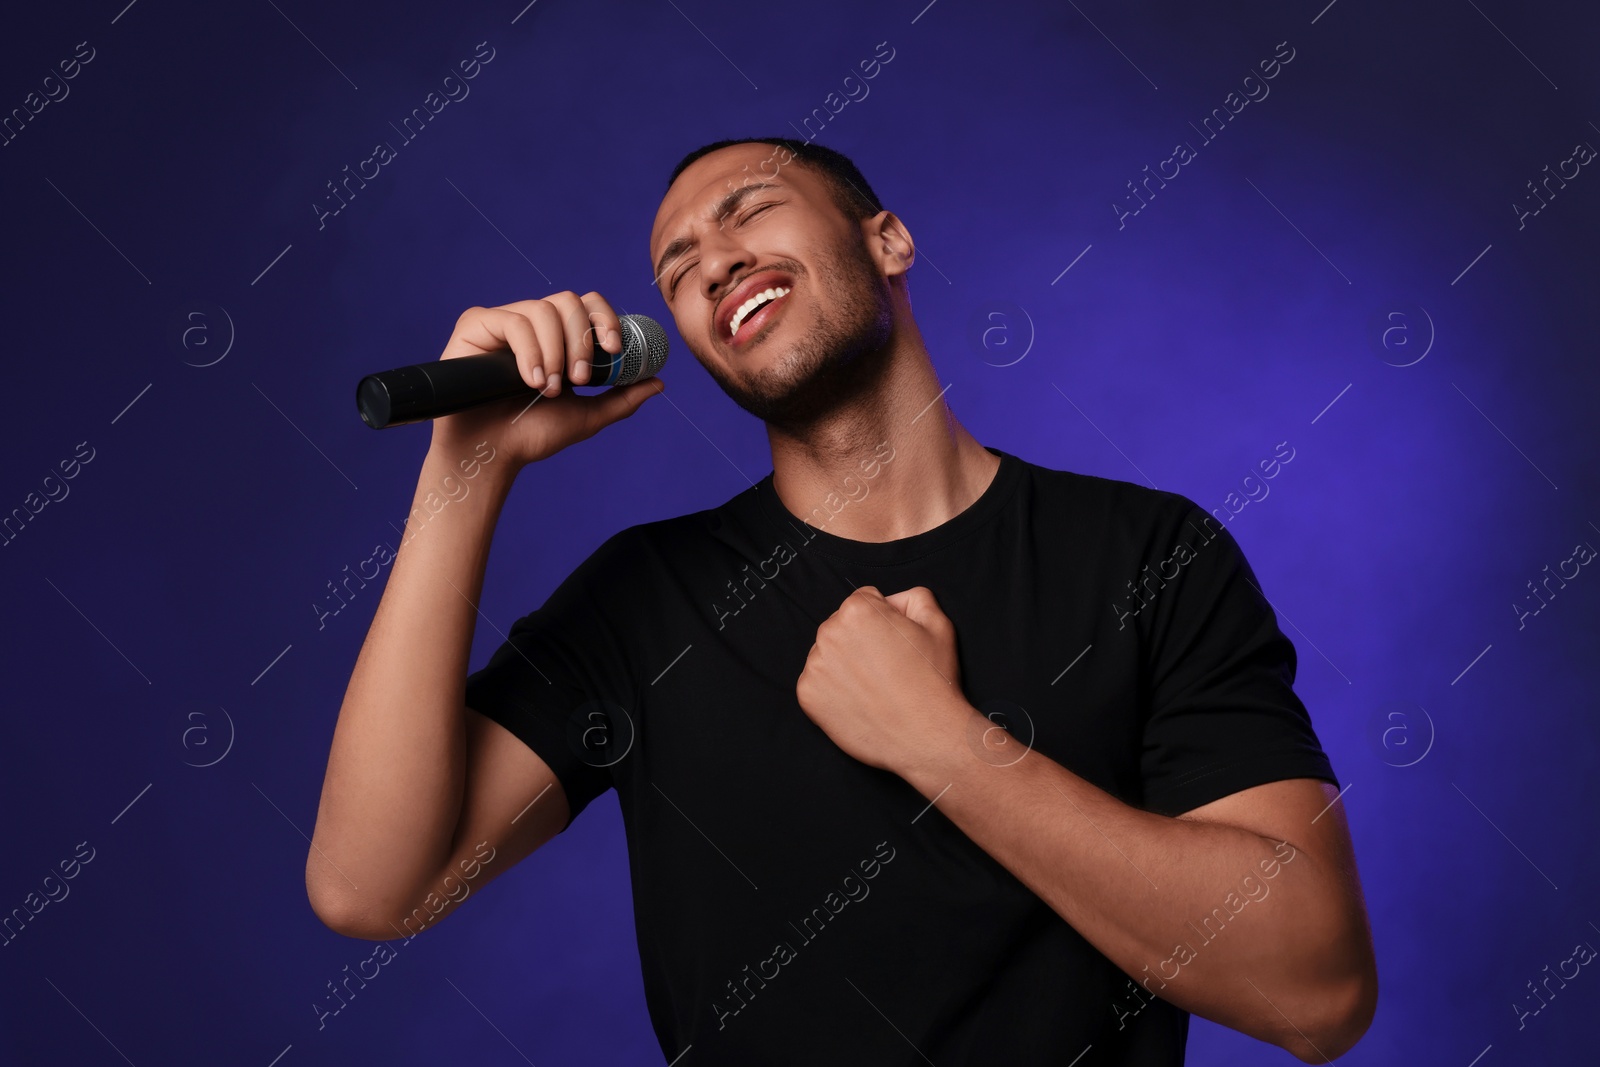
443	387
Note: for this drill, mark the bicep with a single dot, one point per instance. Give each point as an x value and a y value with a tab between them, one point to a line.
1309	814
1305	812
511	804
1293	810
510	795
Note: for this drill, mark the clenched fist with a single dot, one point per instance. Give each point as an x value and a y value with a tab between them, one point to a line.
882	679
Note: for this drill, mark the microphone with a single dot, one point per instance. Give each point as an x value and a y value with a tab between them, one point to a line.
445	386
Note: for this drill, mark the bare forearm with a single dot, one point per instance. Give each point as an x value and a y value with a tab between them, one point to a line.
392	794
1156	895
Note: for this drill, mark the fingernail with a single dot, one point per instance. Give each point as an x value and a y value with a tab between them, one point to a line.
555	380
614	339
580	369
538	377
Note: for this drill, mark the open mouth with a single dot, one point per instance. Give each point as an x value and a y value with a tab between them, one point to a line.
749	317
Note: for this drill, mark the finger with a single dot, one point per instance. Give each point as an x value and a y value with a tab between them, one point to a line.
481	329
546	320
522	340
577	335
607	323
899	600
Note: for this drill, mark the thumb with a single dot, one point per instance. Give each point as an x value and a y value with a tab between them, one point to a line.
918	605
621	401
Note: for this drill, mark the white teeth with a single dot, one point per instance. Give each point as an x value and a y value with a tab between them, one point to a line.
751	304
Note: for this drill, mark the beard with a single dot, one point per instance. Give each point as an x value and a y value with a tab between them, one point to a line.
833	364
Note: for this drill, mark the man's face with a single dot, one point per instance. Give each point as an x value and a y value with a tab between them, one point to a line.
736	224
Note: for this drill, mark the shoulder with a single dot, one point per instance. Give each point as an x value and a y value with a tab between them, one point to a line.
1117	507
672	542
689	529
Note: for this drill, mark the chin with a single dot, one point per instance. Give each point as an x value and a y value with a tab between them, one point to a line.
797	387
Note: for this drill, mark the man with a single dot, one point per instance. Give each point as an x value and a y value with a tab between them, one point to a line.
924	753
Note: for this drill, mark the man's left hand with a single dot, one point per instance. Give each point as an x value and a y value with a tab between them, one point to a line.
882	679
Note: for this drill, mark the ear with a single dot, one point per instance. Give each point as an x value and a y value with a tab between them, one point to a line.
889	243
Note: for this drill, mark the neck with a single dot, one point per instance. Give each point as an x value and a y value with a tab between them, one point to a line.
891	464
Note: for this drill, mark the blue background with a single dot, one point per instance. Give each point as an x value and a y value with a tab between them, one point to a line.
160	616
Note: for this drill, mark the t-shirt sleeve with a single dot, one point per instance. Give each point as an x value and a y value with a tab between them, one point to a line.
560	681
1223	714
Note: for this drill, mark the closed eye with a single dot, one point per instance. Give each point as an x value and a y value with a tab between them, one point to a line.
740	221
678	277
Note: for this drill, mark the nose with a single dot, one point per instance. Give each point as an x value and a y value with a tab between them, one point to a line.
722	259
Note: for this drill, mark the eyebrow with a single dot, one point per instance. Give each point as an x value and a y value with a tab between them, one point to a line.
678	246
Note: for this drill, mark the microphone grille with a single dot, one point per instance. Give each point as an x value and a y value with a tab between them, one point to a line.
644	348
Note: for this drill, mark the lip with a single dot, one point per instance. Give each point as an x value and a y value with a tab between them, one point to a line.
757	321
755	283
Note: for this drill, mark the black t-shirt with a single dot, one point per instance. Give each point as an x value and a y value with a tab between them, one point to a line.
796	906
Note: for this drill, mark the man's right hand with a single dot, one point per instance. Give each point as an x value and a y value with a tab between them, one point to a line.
553	339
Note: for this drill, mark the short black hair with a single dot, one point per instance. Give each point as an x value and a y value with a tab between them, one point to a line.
851	193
